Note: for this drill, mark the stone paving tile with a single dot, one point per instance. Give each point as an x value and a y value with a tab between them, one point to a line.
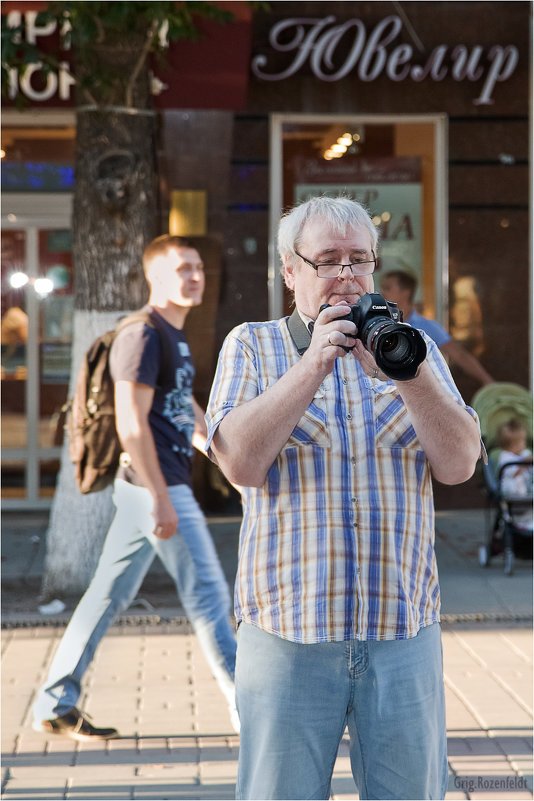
106	772
183	772
35	789
96	790
184	792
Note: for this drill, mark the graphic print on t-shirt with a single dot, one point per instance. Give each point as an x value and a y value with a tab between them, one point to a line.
178	406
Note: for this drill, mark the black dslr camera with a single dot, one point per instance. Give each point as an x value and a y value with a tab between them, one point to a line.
398	348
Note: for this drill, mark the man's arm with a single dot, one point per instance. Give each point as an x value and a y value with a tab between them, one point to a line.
466	361
201	430
448	434
250	436
133	403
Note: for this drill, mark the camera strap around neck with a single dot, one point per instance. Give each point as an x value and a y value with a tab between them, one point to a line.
299	331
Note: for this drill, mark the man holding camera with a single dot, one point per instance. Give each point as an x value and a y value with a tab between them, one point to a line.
337	594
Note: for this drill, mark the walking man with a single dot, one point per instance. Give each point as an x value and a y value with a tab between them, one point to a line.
337	588
158	421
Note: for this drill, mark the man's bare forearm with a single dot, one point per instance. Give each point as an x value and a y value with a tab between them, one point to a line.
251	436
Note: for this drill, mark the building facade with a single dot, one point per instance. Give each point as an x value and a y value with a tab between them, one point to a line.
420	110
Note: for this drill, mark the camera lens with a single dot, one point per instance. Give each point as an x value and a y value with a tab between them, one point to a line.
398	348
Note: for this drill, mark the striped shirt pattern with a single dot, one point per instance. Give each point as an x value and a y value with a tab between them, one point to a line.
339	542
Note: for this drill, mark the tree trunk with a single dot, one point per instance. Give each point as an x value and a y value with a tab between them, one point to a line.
115	216
115	207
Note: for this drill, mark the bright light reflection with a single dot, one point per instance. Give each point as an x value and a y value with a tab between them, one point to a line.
43	286
18	280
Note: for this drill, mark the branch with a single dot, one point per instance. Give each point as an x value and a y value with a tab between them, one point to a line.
128	97
101	32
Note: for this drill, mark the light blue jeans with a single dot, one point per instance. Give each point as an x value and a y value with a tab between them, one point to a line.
294	702
130	547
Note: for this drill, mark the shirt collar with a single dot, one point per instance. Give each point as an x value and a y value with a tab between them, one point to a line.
308	322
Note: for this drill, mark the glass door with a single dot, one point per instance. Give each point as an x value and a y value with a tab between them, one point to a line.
36	337
394	166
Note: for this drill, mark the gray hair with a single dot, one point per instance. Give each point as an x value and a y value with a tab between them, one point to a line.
342	213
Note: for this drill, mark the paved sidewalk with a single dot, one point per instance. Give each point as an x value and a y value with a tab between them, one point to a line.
177	742
150	679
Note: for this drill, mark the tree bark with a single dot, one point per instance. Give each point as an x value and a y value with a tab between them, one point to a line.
115	215
115	206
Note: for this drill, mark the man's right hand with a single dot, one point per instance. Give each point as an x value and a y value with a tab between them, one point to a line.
331	336
165	518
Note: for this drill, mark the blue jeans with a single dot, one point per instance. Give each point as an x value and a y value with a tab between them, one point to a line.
294	702
130	547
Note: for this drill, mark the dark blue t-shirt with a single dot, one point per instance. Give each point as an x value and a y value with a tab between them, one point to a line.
137	355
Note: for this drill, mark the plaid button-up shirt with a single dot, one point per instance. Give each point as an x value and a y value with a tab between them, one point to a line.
339	542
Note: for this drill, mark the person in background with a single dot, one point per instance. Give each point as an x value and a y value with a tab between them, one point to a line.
516	479
399	286
158	421
337	596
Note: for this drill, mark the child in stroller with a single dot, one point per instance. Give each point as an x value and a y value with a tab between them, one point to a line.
515	462
505	412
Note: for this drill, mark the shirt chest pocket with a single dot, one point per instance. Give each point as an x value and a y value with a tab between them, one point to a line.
312	428
393	428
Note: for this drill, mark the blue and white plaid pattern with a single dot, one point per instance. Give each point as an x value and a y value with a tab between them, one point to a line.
339	542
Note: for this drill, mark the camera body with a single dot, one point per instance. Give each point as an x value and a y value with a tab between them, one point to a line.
398	348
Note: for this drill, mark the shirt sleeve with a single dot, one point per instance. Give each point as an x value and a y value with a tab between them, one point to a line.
440	368
431	327
135	355
236	379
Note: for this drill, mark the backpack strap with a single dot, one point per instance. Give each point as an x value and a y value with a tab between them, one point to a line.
299	331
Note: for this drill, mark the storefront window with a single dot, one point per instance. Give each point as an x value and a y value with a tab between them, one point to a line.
392	168
37	300
37	158
14	338
37	311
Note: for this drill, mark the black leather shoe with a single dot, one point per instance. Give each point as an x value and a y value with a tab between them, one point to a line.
75	724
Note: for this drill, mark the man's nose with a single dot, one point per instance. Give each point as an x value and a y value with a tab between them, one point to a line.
347	274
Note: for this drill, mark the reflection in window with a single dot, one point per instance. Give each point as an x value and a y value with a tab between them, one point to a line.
466	315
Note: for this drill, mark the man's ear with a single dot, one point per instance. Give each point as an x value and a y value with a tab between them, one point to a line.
289	272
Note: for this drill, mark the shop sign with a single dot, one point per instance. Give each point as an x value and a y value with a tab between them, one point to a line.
37	84
192	76
334	51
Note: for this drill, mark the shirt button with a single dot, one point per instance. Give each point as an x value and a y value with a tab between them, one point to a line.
345	381
354	500
349	417
353	460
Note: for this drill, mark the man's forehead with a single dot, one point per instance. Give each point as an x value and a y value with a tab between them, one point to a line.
181	254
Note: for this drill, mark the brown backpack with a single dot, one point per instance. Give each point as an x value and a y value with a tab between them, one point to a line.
94	444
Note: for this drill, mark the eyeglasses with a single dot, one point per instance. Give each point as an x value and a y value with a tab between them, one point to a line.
327	270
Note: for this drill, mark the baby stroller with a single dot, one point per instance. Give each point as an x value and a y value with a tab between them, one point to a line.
510	531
